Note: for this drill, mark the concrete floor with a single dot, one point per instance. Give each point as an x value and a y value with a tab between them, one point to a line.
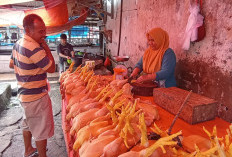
11	142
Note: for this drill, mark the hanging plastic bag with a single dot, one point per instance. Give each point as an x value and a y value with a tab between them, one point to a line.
201	30
191	32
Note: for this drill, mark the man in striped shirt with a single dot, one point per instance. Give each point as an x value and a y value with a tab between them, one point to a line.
31	59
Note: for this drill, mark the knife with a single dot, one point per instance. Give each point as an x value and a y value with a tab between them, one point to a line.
155	136
177	115
130	79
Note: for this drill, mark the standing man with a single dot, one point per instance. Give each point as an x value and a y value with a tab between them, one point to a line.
65	51
31	59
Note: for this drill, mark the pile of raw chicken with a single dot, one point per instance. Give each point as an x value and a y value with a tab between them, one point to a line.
104	120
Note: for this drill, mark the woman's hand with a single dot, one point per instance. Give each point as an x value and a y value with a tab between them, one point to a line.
135	72
148	77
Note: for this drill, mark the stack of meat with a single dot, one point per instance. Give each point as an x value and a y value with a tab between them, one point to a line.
103	118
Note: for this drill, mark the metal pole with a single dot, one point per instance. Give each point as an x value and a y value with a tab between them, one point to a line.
120	28
112	9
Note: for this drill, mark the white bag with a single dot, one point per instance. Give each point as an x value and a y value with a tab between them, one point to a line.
195	20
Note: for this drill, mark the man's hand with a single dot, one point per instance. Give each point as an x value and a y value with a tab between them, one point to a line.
148	77
68	57
45	45
72	53
11	64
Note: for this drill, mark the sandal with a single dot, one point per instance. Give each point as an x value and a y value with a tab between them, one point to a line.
33	154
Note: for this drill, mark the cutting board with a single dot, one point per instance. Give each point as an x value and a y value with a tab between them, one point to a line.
143	89
197	109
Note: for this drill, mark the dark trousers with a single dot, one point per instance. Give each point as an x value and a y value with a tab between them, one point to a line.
62	65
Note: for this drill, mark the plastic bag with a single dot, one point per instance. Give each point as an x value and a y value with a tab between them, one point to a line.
107	62
120	72
191	32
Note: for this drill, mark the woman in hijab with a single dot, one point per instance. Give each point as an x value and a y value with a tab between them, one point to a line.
158	62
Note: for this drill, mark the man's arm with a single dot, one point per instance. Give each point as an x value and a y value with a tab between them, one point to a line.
63	56
72	51
60	54
52	68
11	64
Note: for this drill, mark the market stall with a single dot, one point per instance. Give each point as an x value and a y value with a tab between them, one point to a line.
100	117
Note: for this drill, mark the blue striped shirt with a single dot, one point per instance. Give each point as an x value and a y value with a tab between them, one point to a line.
30	65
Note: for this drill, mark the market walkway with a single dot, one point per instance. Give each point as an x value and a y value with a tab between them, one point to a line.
10	122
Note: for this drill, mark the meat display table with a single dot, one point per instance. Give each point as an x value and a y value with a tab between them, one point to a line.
163	123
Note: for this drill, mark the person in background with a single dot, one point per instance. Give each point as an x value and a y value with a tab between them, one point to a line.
65	51
158	62
6	38
31	59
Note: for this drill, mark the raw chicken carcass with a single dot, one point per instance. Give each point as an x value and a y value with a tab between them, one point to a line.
77	90
152	151
88	132
89	106
95	128
109	132
74	99
70	87
118	83
114	148
118	146
150	112
78	104
131	154
95	147
84	118
157	153
127	89
81	107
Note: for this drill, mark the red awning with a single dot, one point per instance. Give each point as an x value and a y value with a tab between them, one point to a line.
52	3
68	25
6	2
54	14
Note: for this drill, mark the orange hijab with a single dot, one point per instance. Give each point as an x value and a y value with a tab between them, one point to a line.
152	59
